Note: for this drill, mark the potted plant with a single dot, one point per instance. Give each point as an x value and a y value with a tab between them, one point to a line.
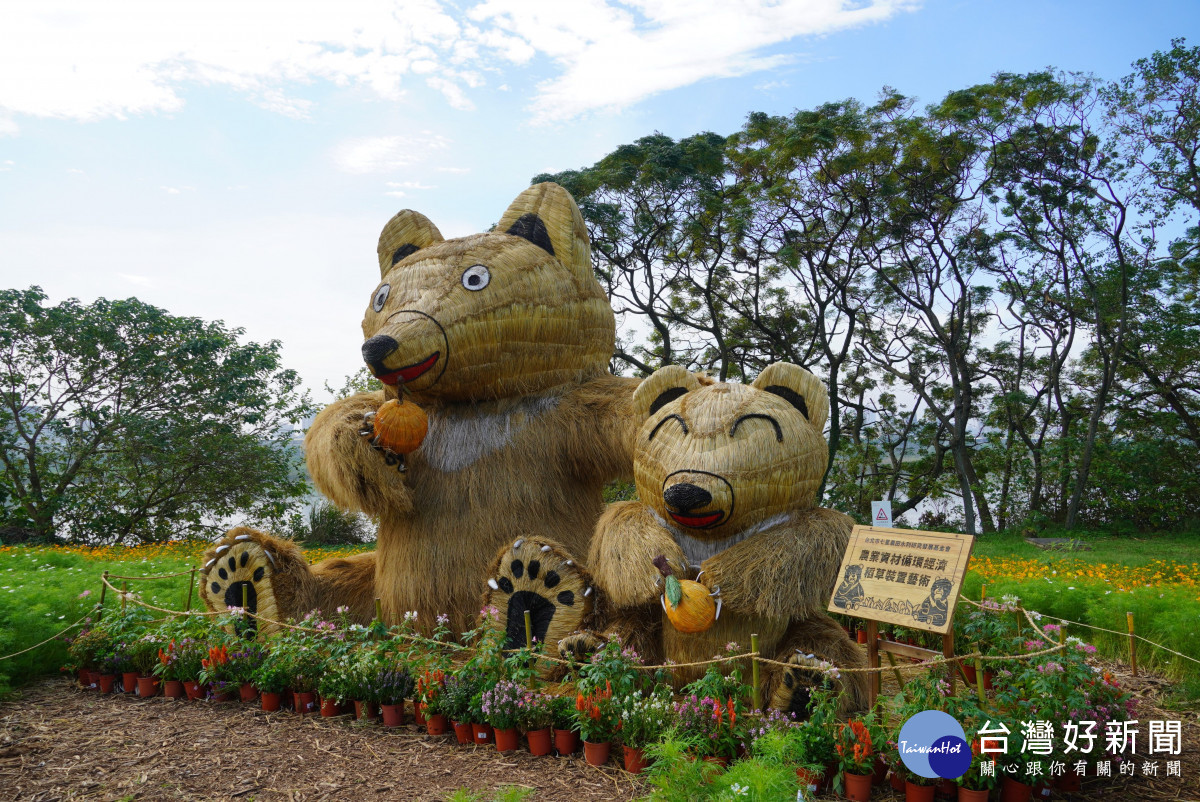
501	705
714	722
535	714
566	726
456	705
334	684
974	785
390	687
431	687
179	661
143	655
272	676
856	760
596	717
244	661
214	672
644	719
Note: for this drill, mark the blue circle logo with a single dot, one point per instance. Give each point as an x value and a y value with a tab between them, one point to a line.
933	745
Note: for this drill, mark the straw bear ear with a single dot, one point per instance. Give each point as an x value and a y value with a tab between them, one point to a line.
405	234
661	388
799	388
546	215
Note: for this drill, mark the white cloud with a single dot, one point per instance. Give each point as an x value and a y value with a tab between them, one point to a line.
7	165
141	281
83	60
458	170
409	185
381	154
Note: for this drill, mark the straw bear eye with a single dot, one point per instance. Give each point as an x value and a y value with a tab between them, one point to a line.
381	296
476	277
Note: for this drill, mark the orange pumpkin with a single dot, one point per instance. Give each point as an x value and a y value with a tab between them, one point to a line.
689	605
696	610
400	426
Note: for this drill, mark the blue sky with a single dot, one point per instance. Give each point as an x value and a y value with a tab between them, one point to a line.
235	160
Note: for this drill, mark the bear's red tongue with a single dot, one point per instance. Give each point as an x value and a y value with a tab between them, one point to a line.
697	521
411	372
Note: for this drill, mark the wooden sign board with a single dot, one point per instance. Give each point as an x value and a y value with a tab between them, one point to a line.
902	576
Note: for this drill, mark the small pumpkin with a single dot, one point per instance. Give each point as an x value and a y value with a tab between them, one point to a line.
400	426
689	605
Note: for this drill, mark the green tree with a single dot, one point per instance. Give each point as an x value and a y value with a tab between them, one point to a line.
122	423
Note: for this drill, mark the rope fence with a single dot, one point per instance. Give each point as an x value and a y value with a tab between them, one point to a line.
127	596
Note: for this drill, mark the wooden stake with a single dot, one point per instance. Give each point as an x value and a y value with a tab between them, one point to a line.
756	694
124	593
190	588
875	683
378	609
103	590
979	677
983	592
1132	644
948	652
528	632
896	671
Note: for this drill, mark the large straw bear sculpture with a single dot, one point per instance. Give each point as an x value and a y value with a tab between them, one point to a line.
727	477
504	340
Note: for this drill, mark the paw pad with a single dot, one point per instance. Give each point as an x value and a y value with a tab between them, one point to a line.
236	573
541	578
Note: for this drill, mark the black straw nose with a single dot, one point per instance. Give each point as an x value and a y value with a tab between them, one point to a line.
685	497
376	349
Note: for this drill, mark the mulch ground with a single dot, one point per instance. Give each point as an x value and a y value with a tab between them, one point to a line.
60	743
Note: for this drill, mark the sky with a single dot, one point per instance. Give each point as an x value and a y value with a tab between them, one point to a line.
235	161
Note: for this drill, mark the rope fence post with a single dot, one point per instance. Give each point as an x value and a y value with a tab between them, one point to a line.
124	595
378	609
103	590
979	676
191	587
1132	643
756	694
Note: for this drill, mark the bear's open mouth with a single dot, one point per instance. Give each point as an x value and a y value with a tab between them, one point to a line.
411	372
699	521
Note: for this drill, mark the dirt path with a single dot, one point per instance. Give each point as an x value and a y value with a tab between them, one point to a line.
59	743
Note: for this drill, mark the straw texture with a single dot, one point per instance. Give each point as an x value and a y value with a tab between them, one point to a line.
727	476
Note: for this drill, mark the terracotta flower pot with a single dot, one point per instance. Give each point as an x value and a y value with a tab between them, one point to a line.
596	754
462	731
393	715
968	795
896	780
194	690
129	682
810	781
539	741
566	742
1042	791
969	673
507	740
329	708
987	680
861	636
147	686
306	702
1013	791
365	711
247	692
879	777
84	677
93	680
1069	783
223	696
482	733
917	793
858	787
635	759
173	689
418	713
945	789
723	762
436	724
271	701
106	682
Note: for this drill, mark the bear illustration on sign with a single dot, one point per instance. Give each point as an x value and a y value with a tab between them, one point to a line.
850	592
503	341
936	607
727	475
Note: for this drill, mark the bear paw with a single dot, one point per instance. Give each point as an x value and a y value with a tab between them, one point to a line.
391	458
793	693
238	572
578	646
540	577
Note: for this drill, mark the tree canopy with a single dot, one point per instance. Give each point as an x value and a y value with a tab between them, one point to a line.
120	423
